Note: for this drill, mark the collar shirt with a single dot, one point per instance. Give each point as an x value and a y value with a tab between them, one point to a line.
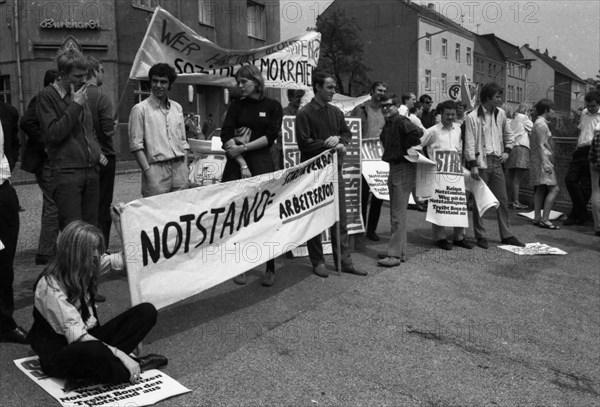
61	92
586	127
158	130
403	110
440	138
375	123
492	133
4	167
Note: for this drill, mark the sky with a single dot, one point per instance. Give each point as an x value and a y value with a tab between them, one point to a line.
569	29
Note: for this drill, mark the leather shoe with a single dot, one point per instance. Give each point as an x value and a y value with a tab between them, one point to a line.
390	262
99	298
240	279
443	244
152	361
372	236
384	255
513	241
483	243
352	270
320	271
464	243
17	335
268	279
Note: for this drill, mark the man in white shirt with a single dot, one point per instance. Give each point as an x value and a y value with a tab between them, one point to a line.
578	175
408	101
9	233
488	141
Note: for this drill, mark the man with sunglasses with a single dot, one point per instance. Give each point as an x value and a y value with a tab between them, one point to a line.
428	115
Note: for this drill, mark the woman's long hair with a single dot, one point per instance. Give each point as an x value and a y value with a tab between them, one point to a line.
253	74
76	264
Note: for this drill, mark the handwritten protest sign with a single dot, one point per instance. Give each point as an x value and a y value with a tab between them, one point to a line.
286	64
350	167
194	239
152	387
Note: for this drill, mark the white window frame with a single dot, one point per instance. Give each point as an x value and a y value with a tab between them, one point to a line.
444	48
444	82
256	24
140	92
457	52
469	56
428	43
427	79
207	12
5	94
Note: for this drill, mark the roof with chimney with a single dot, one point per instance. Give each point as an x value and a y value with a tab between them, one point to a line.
553	63
428	11
505	48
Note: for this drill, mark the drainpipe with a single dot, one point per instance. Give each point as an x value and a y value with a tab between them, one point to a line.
18	45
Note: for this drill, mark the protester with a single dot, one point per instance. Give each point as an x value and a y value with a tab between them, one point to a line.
9	233
518	160
157	136
460	112
68	131
102	116
488	141
35	160
408	101
398	135
578	175
595	173
428	116
445	136
542	175
372	121
321	126
66	333
250	128
414	115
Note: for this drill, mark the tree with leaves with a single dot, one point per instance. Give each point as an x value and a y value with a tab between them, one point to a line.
594	81
341	53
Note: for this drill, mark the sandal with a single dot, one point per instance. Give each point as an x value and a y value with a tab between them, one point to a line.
548	225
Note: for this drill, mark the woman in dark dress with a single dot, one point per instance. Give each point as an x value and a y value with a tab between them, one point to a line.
248	132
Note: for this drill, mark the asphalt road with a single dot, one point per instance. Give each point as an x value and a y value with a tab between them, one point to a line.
460	328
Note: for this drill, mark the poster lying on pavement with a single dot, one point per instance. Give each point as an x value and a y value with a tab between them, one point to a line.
533	249
152	387
182	243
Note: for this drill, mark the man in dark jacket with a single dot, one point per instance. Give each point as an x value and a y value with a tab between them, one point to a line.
35	160
73	151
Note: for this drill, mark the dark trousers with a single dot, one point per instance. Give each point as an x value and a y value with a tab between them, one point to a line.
9	233
107	187
92	360
374	212
578	182
49	224
315	246
76	195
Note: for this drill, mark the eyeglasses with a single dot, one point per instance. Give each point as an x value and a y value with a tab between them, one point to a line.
429	103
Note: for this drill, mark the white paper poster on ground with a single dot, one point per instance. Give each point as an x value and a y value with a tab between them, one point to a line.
530	215
192	240
448	204
534	249
152	387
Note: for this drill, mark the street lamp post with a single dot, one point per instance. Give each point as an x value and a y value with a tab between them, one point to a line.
428	35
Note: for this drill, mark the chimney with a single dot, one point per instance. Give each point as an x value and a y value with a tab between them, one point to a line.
546	52
554	57
431	6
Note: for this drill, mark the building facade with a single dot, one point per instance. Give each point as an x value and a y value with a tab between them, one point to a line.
112	31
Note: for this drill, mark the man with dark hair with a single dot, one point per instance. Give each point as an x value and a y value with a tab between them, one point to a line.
372	122
68	133
408	101
157	136
398	135
9	233
578	175
35	160
102	115
428	116
320	126
488	141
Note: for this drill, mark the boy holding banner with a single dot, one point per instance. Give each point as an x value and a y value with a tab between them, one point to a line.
444	145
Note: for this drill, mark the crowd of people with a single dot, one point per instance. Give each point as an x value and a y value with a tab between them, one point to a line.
70	126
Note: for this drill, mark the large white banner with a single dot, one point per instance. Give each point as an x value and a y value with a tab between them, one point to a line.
286	64
179	244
